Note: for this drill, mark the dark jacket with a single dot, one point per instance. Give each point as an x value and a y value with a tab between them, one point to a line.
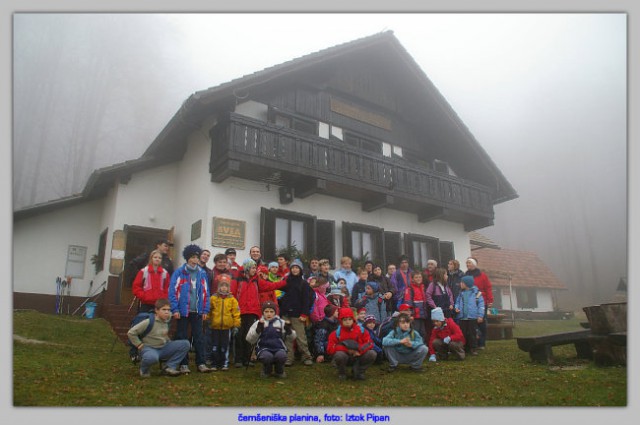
298	297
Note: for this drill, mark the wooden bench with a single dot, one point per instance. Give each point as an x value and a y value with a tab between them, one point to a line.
497	331
539	347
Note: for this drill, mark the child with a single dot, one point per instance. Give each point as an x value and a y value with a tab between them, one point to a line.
263	275
272	276
224	321
296	305
384	288
362	313
358	289
156	346
446	337
373	303
346	273
370	327
403	345
235	268
414	297
337	298
350	345
322	331
319	286
469	308
283	265
249	288
269	334
344	290
151	283
190	304
438	294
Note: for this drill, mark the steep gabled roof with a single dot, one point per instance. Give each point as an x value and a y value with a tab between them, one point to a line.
170	144
525	268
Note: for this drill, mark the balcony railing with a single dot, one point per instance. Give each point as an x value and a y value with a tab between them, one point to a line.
246	139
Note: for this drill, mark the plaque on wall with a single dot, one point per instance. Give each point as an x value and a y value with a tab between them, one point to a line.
228	233
196	230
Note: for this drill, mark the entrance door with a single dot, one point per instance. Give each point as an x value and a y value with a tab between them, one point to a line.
139	240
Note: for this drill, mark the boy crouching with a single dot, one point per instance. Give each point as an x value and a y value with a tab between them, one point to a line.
446	337
404	345
269	334
156	346
350	345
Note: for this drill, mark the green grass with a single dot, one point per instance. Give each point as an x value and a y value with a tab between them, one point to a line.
82	370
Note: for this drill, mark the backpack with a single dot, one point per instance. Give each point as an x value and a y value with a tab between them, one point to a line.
134	355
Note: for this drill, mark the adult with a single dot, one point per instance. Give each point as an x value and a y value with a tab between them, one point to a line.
313	269
429	272
391	269
482	282
401	279
345	272
234	267
204	259
454	277
151	283
256	256
324	267
384	287
142	260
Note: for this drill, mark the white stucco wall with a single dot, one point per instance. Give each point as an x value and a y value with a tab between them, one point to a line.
40	247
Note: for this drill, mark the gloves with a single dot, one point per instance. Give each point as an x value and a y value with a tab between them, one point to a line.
287	328
260	327
447	340
234	331
432	358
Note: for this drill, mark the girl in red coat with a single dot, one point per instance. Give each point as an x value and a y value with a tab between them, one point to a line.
446	336
151	283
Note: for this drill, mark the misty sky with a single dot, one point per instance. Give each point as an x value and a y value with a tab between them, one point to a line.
544	94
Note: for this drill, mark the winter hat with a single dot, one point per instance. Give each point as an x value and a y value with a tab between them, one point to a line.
437	314
190	251
329	309
248	263
345	312
297	263
273	264
335	290
404	307
473	261
374	286
230	251
361	309
263	269
269	304
369	318
468	280
434	262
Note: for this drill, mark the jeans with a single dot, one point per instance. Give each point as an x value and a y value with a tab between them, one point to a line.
219	354
193	320
172	354
414	358
342	359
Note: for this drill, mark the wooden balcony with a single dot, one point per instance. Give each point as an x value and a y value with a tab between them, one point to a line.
255	150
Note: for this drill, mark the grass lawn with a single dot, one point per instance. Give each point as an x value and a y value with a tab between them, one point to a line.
76	366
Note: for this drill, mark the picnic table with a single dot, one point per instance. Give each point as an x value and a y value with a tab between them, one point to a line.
539	347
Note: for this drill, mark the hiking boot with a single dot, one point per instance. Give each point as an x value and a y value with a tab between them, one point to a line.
225	368
202	368
308	362
417	369
184	369
213	369
281	375
252	364
288	363
474	353
264	374
171	371
238	365
144	374
392	369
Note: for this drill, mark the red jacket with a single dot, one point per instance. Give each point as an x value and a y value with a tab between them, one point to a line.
415	297
450	328
151	285
248	293
484	285
355	333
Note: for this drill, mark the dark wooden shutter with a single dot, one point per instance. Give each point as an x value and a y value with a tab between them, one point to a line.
346	240
325	240
378	246
267	233
446	254
392	249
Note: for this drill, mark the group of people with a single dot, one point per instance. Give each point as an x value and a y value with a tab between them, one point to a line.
269	311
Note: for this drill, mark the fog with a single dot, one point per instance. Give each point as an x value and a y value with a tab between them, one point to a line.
545	96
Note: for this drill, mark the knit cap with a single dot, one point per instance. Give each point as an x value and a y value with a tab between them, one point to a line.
373	285
190	251
369	318
437	314
345	312
273	264
269	304
248	263
468	280
296	263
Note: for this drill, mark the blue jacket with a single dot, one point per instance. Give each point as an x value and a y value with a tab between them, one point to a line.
374	305
394	337
180	291
470	303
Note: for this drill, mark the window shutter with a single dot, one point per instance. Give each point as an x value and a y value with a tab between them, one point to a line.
392	248
267	234
325	240
446	253
346	240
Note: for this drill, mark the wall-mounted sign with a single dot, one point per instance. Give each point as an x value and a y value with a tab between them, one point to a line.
228	233
196	230
76	256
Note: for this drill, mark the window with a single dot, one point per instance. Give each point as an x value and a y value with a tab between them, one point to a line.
420	249
446	253
360	142
294	122
526	298
359	240
280	229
